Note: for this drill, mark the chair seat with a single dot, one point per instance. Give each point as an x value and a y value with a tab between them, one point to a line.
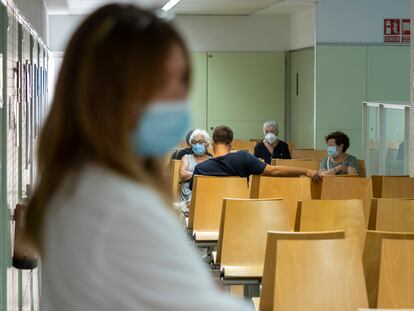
242	272
203	236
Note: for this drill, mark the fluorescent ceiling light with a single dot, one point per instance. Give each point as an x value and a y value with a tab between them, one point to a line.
170	4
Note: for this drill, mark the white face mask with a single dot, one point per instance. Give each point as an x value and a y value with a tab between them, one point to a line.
270	138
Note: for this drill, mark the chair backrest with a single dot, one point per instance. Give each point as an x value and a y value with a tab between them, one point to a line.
397	187
362	168
175	178
243	230
340	188
319	275
394	215
291	189
239	144
207	200
396	281
377	181
316	155
305	163
328	215
372	259
269	268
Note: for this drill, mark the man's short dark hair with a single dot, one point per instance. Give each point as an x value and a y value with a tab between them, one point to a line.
223	135
340	139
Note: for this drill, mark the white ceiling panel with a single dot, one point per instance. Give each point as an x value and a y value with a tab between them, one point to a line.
193	7
289	7
86	6
82	7
223	7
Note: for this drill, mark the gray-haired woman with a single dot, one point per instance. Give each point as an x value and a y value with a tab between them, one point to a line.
271	147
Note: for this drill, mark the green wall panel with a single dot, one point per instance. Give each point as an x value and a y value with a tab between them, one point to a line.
198	94
341	86
388	73
301	114
340	91
244	90
347	76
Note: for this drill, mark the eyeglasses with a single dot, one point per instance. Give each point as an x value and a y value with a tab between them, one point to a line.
198	142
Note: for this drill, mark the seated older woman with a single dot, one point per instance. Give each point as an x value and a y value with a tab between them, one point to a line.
271	147
338	162
199	141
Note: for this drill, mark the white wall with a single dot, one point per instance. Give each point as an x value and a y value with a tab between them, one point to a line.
356	21
61	28
35	13
235	33
203	33
302	29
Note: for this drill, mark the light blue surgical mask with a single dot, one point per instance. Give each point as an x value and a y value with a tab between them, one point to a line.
198	149
332	151
160	128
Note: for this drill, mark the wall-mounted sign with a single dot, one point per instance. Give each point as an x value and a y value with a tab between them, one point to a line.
397	30
392	31
405	30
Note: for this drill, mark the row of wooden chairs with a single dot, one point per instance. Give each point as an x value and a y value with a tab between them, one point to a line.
244	224
382	186
324	271
351	220
208	194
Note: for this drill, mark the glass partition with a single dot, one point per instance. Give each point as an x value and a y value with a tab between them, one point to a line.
385	128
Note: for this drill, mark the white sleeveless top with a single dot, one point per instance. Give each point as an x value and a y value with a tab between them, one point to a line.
112	244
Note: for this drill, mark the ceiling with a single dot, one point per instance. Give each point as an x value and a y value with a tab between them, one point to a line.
191	7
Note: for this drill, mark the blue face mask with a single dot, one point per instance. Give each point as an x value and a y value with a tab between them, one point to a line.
198	149
332	151
160	128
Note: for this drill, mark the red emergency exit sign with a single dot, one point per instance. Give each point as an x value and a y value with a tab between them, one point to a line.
397	30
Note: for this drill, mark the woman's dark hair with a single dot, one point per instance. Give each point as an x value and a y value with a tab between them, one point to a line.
223	135
340	139
113	66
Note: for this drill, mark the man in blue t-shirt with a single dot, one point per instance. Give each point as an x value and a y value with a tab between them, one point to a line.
242	163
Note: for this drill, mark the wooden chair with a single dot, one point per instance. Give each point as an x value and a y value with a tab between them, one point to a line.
207	203
305	163
322	275
396	279
362	168
266	301
394	186
385	309
339	188
394	215
316	155
291	189
372	259
243	231
175	178
377	181
328	215
239	144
